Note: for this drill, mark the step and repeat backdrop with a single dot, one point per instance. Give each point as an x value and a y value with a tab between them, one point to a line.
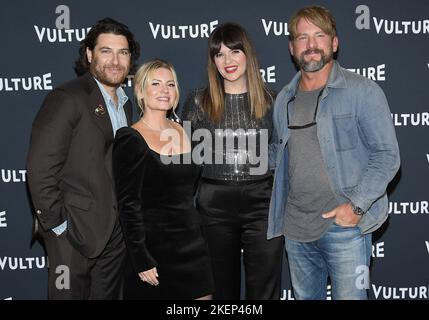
386	41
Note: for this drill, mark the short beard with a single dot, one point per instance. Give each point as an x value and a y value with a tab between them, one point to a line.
100	76
313	66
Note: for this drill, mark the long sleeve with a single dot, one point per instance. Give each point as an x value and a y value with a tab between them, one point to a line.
274	138
384	158
273	148
51	137
129	158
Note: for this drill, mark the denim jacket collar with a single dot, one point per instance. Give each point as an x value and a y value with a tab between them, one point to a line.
336	79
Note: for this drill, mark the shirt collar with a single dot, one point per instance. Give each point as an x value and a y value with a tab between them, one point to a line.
122	97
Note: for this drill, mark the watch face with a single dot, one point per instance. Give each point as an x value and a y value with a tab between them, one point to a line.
357	210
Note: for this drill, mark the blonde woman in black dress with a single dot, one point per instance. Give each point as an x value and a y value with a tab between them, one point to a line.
167	253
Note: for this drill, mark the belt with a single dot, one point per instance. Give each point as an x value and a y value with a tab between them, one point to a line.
234	182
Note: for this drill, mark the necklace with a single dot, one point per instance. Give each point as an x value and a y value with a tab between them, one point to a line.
155	129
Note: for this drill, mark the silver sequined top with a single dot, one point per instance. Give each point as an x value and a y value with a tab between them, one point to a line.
236	148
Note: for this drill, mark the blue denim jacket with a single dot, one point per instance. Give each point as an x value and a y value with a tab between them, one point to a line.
358	144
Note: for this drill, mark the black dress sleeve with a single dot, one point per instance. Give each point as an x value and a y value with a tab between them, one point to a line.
129	159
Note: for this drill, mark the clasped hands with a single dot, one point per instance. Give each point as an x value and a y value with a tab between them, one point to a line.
150	276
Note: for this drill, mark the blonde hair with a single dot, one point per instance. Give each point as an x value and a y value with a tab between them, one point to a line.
318	15
144	75
234	37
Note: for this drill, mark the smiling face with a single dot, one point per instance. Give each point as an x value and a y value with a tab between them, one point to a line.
231	64
160	91
312	48
110	59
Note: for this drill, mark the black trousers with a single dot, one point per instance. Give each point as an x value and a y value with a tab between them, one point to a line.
235	218
73	276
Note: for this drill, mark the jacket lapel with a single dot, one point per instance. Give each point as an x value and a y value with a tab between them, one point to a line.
98	109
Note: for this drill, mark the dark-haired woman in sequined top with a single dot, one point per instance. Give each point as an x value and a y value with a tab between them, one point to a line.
233	117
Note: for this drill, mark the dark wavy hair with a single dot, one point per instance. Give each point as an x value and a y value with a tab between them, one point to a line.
106	25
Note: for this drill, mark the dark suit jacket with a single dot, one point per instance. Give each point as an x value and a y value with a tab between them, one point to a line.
69	167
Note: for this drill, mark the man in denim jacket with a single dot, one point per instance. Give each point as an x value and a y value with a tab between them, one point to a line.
336	154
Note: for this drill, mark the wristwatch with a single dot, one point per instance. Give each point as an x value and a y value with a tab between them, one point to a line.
357	210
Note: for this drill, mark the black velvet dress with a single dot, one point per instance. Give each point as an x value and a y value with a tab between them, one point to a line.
161	227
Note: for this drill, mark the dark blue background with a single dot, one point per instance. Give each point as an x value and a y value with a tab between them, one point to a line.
404	263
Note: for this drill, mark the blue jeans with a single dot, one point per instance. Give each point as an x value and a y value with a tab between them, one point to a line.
342	253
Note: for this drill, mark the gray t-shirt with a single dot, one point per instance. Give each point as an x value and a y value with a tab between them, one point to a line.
310	193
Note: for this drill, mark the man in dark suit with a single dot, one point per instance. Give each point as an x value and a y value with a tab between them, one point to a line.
69	168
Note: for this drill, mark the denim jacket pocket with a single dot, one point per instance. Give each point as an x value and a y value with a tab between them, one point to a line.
345	132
